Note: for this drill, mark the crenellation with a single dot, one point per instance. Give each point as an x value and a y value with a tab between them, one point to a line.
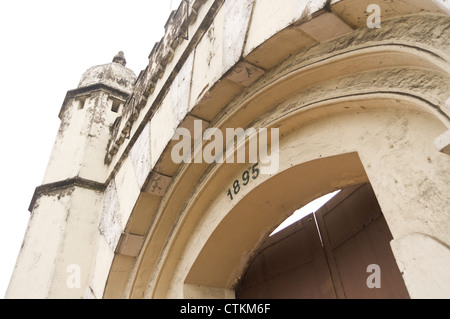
162	54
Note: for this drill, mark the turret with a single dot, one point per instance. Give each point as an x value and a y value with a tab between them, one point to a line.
86	116
57	258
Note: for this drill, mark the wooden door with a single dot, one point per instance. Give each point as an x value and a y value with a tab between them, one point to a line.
356	241
290	264
331	258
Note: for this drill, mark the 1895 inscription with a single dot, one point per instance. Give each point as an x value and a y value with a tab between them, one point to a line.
252	173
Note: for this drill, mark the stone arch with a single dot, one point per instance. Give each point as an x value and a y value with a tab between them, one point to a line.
227	250
201	227
349	158
375	81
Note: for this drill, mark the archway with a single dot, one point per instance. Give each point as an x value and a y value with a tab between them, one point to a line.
230	237
372	125
235	241
340	152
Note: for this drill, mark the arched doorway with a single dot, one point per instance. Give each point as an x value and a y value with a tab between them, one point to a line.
218	238
369	127
229	250
340	251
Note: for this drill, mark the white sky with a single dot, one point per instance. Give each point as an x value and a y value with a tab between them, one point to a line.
46	46
309	208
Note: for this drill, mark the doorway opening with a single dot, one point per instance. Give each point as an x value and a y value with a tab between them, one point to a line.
340	251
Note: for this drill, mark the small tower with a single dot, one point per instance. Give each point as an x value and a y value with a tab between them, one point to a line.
86	116
65	209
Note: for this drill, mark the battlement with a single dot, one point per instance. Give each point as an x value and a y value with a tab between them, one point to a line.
163	52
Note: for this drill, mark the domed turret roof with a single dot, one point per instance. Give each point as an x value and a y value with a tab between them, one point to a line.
114	75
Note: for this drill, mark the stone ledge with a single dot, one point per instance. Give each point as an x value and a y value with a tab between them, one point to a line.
442	143
61	185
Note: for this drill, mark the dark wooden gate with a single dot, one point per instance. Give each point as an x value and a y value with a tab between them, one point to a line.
328	255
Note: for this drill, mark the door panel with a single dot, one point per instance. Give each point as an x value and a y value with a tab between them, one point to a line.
356	235
290	264
296	263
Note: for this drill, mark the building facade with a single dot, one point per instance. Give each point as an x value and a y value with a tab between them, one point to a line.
354	95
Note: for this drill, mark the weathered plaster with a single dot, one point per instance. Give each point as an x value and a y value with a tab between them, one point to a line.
372	103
